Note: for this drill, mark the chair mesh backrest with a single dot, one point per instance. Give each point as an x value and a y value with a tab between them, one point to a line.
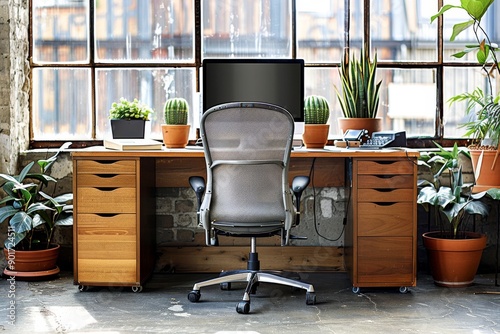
247	150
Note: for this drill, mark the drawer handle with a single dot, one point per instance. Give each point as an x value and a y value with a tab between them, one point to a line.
384	162
106	176
106	162
106	189
384	203
384	176
384	190
107	215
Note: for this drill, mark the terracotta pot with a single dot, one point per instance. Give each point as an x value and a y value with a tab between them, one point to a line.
175	136
315	135
32	264
486	173
369	124
454	262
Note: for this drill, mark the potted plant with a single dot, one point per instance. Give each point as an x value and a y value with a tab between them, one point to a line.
359	96
176	130
32	215
454	253
316	129
482	107
128	119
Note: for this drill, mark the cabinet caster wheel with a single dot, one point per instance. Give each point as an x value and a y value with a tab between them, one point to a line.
83	288
225	286
137	289
194	296
355	289
310	298
403	289
243	307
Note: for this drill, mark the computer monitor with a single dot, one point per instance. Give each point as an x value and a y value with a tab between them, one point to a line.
275	81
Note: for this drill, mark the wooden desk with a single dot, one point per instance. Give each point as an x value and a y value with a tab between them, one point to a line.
114	216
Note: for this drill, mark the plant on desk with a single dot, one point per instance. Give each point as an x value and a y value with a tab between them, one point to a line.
454	253
360	92
129	118
33	214
176	130
316	114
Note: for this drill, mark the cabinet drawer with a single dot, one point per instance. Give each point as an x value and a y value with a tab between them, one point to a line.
382	260
102	200
106	180
385	181
386	195
391	219
106	166
384	167
107	271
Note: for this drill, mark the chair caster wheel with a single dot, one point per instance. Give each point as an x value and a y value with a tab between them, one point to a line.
225	286
310	298
137	289
403	289
243	307
194	296
83	288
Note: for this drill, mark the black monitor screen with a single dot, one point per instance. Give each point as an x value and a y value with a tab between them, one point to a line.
275	81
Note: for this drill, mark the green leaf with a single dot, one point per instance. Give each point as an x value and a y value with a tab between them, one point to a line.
459	27
21	222
476	8
442	11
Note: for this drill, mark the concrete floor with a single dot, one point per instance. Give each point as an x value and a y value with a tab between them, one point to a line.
56	306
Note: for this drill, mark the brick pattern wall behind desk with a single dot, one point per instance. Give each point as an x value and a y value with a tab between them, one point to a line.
14	82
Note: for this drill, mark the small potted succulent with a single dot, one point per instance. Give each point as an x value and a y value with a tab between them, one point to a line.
176	130
128	118
316	129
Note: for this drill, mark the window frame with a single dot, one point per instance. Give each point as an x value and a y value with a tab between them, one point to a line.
414	142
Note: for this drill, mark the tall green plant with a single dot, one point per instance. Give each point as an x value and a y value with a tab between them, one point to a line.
486	121
360	90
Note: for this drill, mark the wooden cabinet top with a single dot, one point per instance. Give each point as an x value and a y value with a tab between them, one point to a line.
197	152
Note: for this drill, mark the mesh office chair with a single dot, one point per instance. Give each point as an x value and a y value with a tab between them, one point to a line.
247	151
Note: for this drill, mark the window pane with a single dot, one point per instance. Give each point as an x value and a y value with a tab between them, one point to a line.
60	31
454	16
151	86
400	30
408	100
458	81
320	30
401	104
61	104
146	30
246	28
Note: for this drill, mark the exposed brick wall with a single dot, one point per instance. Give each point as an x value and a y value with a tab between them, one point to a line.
14	82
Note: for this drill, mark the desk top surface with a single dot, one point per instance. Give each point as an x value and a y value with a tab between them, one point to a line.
197	152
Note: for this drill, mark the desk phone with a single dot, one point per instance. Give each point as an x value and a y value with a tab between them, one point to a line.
383	139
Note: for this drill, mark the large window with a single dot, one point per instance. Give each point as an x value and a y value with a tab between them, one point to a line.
88	53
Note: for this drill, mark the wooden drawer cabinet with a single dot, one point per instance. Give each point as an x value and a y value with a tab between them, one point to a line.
381	230
113	230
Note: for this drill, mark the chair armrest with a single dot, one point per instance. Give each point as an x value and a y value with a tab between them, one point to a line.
299	184
198	185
